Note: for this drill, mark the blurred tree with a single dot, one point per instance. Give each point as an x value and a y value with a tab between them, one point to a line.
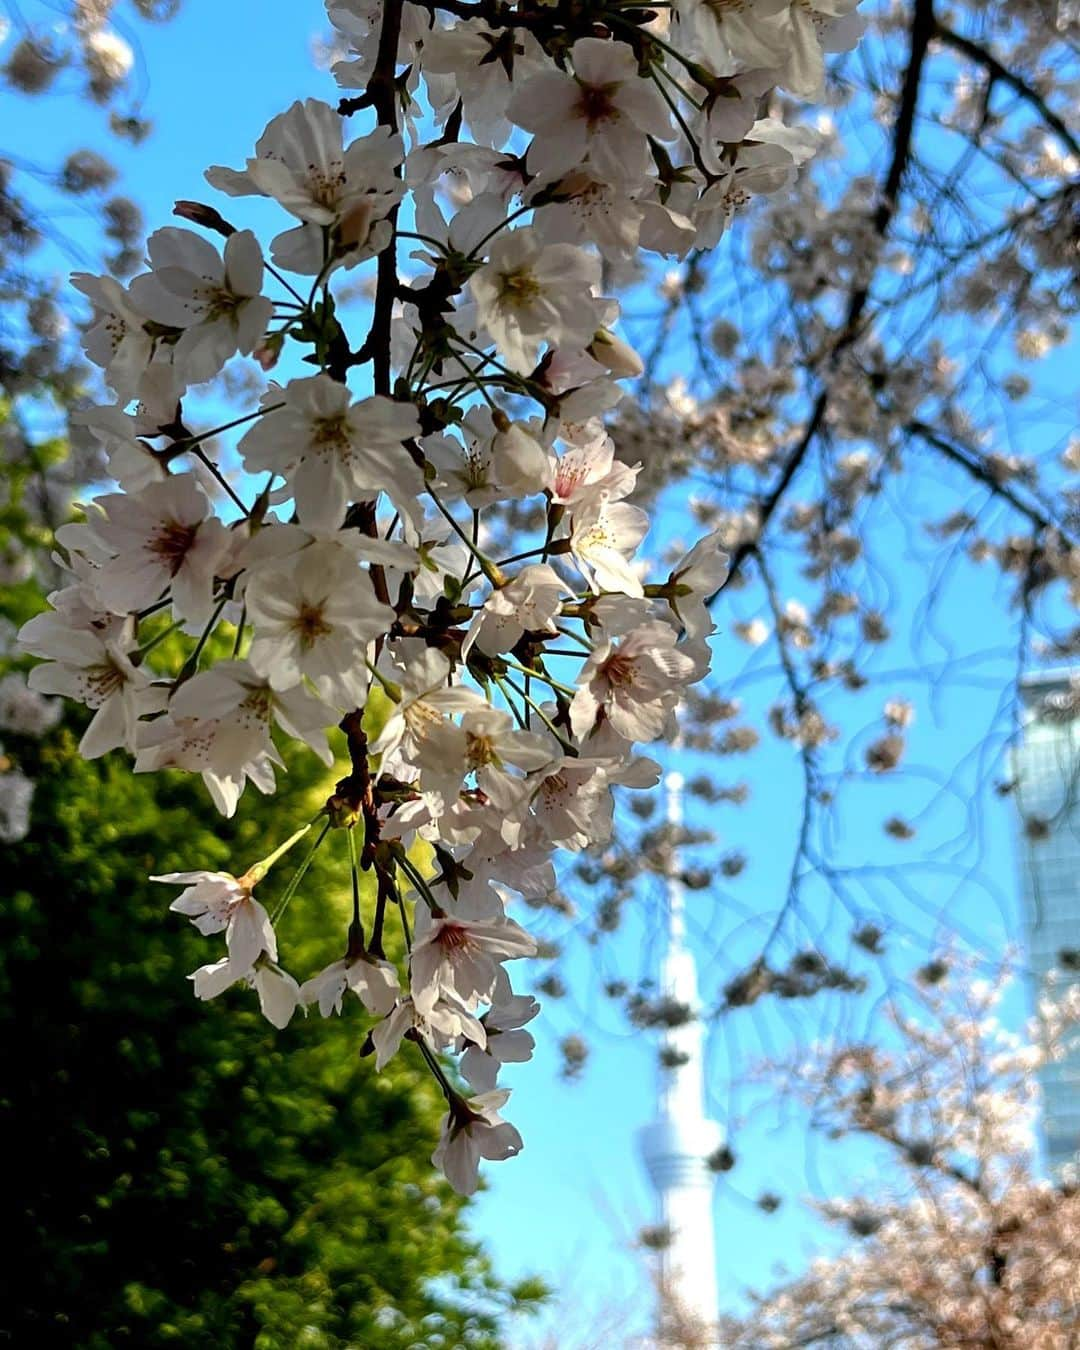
949	1236
85	52
964	1245
182	1173
868	389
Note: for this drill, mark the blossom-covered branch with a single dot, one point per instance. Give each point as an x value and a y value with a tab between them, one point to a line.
348	576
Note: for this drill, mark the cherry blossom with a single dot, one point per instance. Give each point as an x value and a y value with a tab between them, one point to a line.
374	982
334	449
429	541
471	1131
603	538
506	1043
461	957
214	301
165	537
694	580
603	112
635	682
446	1023
116	339
486	66
278	992
98	673
528	603
300	161
310	619
217	902
529	293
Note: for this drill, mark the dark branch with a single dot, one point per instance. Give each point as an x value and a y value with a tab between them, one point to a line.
997	71
983	473
922	30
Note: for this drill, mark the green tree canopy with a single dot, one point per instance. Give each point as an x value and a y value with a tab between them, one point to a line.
182	1173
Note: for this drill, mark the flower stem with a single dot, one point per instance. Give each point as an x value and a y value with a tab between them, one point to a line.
298	875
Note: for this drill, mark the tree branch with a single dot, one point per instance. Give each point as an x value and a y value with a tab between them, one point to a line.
970	462
382	90
982	56
922	30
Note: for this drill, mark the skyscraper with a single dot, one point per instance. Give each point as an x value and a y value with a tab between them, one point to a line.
1046	767
676	1146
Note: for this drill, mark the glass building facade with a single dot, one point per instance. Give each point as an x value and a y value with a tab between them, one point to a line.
1046	768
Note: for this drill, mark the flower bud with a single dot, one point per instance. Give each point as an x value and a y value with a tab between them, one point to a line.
615	355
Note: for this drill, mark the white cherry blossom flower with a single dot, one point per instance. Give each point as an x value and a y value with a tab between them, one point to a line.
216	301
603	112
116	338
219	902
696	577
529	602
461	958
486	65
506	1042
333	449
234	693
440	557
373	981
164	537
447	1024
588	469
465	469
218	725
24	711
463	172
817	27
279	994
75	608
635	681
528	869
615	355
521	460
765	164
419	724
498	460
492	742
130	460
300	160
586	209
99	674
470	1131
603	537
571	802
529	293
314	619
730	115
359	23
227	752
734	35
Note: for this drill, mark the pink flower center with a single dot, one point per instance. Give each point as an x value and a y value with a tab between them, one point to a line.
171	543
595	104
452	937
620	670
310	625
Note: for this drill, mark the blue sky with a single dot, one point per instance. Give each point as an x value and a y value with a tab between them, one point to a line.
571	1206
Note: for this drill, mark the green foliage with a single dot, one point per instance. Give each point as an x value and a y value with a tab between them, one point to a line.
181	1174
25	499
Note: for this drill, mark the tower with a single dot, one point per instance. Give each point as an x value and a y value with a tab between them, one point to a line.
1046	767
677	1144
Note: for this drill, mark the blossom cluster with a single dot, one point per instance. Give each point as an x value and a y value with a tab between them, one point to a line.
28	716
968	1244
490	705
